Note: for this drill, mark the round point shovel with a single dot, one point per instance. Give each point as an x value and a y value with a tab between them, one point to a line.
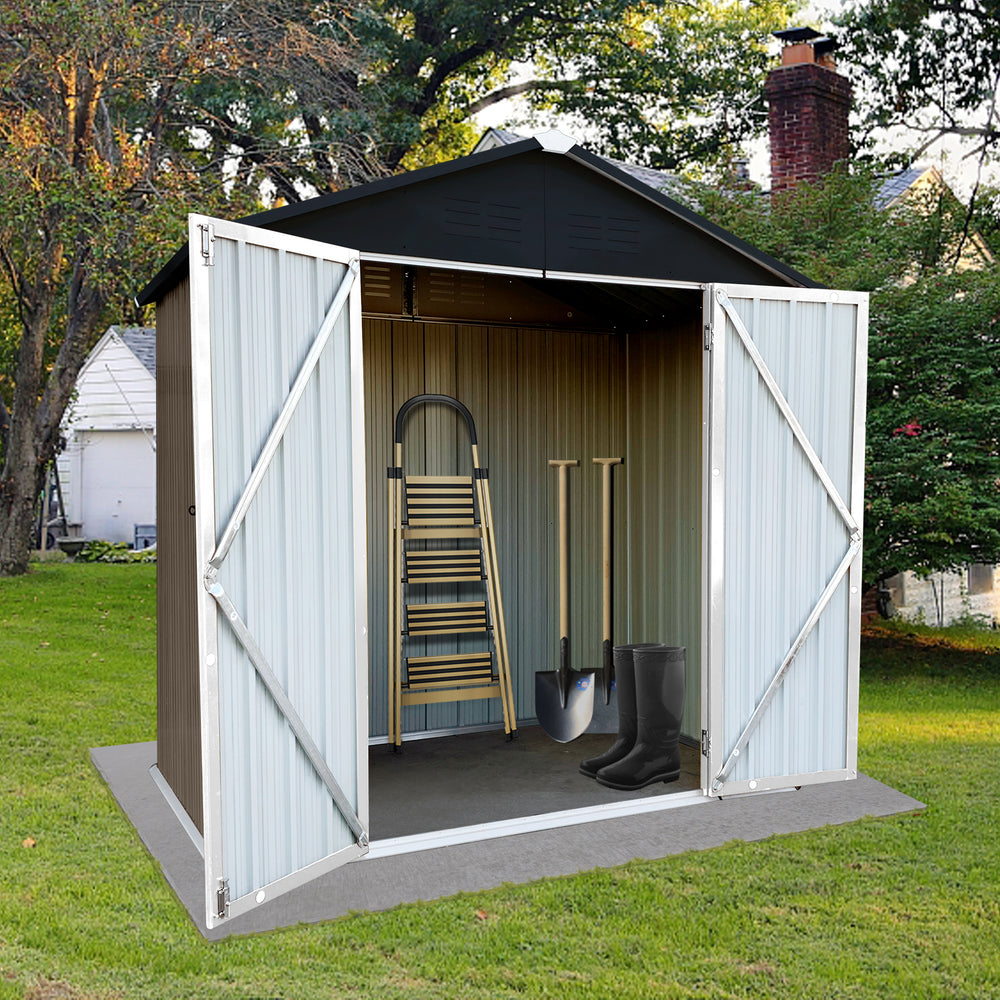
564	698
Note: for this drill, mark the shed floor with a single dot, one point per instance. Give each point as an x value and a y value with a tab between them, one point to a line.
478	778
528	779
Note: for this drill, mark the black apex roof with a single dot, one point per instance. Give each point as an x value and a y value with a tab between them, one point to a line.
543	203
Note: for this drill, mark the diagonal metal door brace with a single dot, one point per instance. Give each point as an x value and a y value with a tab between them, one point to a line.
215	588
845	512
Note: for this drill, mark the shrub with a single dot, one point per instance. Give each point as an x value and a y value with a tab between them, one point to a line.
115	552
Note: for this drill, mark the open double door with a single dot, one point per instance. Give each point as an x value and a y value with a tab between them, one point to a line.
277	388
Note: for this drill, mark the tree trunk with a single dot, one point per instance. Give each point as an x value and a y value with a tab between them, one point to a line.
23	478
33	435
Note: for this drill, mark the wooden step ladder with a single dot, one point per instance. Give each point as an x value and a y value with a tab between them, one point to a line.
455	509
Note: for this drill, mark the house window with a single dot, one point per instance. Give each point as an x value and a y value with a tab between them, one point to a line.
980	578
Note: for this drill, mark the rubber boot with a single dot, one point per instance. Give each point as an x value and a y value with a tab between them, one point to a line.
659	696
625	693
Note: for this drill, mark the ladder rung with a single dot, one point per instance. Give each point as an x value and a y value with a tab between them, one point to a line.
439	480
446	619
427	493
449	670
453	566
438	696
437	517
434	500
450	532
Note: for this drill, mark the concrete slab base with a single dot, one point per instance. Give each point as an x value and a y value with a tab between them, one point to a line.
678	821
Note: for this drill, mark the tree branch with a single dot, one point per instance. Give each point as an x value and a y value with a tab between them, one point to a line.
515	90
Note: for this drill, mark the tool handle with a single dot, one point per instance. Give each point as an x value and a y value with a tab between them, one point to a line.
607	464
561	465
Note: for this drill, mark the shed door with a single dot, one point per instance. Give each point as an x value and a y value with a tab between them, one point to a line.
280	521
785	470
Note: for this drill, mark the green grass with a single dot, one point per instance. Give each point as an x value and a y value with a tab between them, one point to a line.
900	907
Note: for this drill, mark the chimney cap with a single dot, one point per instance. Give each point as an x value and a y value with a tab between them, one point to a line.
791	36
825	45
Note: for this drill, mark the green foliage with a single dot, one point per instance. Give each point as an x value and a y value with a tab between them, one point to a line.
115	552
933	459
933	447
833	231
986	218
894	907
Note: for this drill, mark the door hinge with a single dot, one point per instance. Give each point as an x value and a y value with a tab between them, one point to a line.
222	898
706	743
709	336
207	244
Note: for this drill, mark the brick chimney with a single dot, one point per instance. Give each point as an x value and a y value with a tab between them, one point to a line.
808	107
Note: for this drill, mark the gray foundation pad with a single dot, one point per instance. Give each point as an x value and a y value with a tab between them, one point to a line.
379	882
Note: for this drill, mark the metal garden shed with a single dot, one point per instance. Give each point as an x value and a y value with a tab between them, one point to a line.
577	312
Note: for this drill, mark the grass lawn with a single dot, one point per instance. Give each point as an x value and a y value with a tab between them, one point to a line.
903	907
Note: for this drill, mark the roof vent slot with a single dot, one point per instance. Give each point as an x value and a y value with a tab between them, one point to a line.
483	220
604	234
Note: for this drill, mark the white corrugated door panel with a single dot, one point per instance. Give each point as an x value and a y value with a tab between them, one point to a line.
280	523
785	471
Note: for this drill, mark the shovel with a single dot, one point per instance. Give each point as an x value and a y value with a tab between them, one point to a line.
605	718
564	698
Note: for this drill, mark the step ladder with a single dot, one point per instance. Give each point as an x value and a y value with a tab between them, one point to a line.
454	510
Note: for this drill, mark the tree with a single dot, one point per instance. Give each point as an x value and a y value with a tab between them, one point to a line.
929	70
667	83
930	67
933	456
664	82
99	154
932	467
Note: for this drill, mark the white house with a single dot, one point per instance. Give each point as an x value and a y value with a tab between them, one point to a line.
108	467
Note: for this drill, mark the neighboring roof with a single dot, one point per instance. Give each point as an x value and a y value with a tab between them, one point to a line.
125	357
494	137
544	204
896	185
914	181
141	341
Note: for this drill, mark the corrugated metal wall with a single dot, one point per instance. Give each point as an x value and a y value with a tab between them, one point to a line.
539	394
665	497
291	570
783	536
178	717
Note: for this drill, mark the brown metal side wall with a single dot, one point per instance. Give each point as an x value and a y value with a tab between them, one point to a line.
178	731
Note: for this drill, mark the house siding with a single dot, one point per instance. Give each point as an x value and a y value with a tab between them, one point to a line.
116	393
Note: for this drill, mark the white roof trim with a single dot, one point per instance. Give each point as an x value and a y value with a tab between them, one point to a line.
554	141
96	350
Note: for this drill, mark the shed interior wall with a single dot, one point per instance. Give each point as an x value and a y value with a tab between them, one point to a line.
538	393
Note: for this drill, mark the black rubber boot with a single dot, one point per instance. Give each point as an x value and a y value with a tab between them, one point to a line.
659	696
625	689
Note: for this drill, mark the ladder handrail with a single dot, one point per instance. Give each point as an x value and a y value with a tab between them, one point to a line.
433	397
